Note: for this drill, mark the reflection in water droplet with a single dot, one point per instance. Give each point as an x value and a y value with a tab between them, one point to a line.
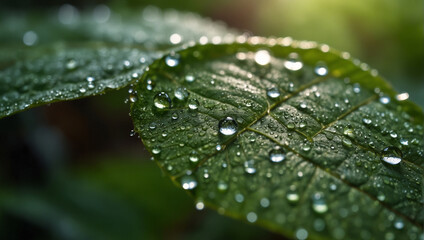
366	121
82	90
227	126
348	131
391	155
249	167
162	100
321	69
172	60
273	92
393	135
402	96
188	182
293	63
318	203
404	142
174	116
262	57
133	97
181	93
193	104
277	155
292	196
303	105
71	64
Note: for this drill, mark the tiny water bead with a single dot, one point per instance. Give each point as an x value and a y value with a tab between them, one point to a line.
188	182
227	126
385	99
249	167
273	92
321	69
318	203
200	205
189	78
277	155
293	63
391	155
162	100
193	104
172	60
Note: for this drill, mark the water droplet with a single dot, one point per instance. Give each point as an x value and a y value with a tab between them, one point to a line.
347	142
127	64
218	147
222	186
402	96
181	93
194	157
249	167
188	182
200	205
393	135
381	197
292	195
162	100
366	121
175	38
303	105
301	234
321	69
82	90
290	126
189	78
348	131
193	104
385	100
172	60
273	92
133	97
318	203
156	151
404	142
251	217
227	126
71	64
174	116
262	57
277	155
399	224
391	155
264	202
90	79
356	88
293	63
30	38
239	198
306	147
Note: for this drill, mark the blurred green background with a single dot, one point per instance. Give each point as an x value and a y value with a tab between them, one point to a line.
71	171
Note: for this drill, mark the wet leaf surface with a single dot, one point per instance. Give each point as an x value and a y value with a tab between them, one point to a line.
293	136
46	58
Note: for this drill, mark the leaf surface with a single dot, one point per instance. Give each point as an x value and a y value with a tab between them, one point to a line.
45	59
293	136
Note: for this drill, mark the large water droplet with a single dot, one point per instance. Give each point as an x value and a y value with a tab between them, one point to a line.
277	155
293	63
262	57
273	92
162	100
188	182
227	126
321	69
391	155
172	60
318	203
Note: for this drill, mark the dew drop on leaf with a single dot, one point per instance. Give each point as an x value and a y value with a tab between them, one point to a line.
321	69
172	60
188	182
262	57
318	203
162	100
391	155
277	155
384	99
193	104
252	217
181	93
227	126
249	167
273	92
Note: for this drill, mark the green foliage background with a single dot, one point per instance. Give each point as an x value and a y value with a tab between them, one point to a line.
71	171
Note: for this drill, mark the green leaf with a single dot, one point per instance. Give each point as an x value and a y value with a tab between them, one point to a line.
69	55
293	136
